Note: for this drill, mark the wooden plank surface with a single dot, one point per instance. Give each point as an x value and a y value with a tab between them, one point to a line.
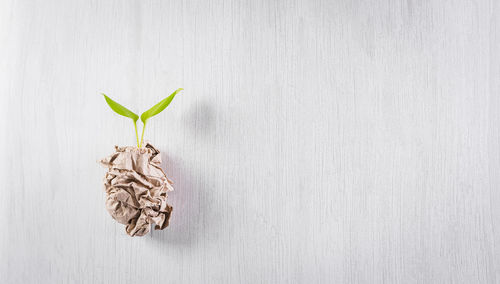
315	142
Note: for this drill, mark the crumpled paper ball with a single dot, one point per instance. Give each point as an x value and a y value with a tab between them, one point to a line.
136	189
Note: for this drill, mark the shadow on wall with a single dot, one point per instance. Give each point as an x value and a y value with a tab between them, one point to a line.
200	120
192	200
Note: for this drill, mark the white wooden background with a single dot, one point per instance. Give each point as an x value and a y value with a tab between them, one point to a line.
315	142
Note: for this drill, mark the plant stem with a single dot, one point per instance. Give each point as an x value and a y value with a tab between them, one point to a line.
142	135
136	135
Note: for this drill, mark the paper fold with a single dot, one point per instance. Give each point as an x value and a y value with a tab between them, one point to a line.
136	189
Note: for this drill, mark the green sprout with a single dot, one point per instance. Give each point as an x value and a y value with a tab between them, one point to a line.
156	109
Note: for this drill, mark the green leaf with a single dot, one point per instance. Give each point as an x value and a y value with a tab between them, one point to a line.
119	109
159	107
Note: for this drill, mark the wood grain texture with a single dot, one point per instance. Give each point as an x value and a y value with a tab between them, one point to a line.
315	142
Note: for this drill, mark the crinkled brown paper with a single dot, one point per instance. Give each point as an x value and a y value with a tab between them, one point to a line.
136	189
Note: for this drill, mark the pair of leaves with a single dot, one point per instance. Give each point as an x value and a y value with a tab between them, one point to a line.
156	109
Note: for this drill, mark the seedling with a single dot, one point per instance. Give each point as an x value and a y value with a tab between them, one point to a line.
156	109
